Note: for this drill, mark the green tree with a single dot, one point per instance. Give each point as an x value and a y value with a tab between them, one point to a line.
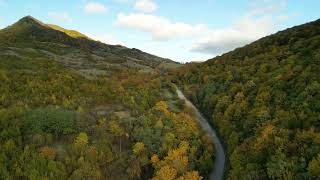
81	140
314	167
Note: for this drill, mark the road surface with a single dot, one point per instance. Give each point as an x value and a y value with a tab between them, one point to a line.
219	164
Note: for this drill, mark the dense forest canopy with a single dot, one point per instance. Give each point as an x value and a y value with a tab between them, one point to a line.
74	108
58	121
264	99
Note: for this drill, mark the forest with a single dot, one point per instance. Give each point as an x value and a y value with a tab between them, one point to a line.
264	99
74	108
57	124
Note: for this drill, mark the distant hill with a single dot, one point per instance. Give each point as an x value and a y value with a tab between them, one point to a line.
264	99
30	38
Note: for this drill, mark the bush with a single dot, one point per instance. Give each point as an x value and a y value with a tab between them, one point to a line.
51	120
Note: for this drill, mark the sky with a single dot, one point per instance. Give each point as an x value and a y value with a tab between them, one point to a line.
182	30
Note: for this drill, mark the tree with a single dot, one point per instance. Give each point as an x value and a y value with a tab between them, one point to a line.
117	131
166	173
141	153
178	158
193	175
279	166
81	140
233	141
154	159
51	120
314	167
48	153
138	148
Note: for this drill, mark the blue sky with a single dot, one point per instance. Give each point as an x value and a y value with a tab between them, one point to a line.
183	30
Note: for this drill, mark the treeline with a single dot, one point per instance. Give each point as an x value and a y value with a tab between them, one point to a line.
264	99
55	124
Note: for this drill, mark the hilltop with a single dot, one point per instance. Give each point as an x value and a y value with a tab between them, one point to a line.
30	38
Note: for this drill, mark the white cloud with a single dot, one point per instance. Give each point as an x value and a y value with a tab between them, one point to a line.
263	18
147	6
105	38
245	31
162	49
159	27
94	7
60	16
260	21
205	39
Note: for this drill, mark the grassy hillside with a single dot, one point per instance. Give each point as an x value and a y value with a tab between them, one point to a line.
264	99
75	50
72	33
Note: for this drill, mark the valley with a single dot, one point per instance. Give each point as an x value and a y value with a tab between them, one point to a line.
219	163
66	113
75	108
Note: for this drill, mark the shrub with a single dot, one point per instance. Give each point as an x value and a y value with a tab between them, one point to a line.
51	120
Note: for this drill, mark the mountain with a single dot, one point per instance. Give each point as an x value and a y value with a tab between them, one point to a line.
74	50
264	99
72	33
59	120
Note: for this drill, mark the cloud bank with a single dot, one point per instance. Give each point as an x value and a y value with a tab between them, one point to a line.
261	20
160	28
243	32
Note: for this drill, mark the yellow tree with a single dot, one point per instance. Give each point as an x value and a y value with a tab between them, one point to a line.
314	167
140	152
178	158
81	140
193	175
162	106
117	131
138	148
166	173
176	162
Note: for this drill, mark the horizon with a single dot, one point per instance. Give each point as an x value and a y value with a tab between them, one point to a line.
152	27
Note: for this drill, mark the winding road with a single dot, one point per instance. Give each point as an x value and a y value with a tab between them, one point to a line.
219	164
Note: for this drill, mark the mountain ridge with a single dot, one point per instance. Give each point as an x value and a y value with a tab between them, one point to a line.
72	33
78	52
274	36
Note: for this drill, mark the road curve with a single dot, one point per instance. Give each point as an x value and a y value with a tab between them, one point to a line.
219	163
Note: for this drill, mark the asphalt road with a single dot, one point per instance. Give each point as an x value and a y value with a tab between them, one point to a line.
219	164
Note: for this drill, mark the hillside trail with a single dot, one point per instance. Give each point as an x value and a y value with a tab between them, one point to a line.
217	172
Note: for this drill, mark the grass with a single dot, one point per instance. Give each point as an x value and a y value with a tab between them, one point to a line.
72	33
